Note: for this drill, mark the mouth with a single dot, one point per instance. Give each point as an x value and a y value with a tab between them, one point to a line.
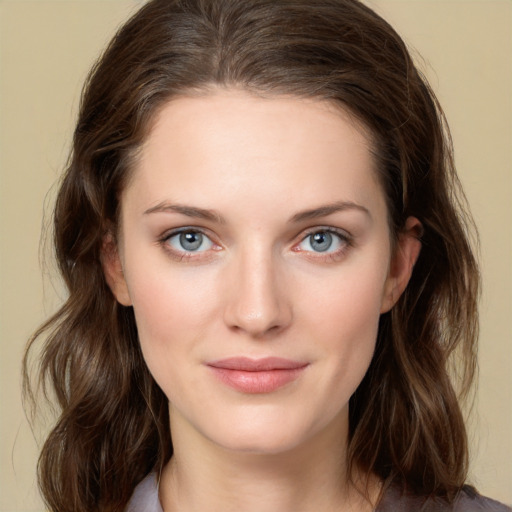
254	376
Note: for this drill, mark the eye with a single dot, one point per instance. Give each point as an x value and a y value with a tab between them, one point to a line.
324	241
189	241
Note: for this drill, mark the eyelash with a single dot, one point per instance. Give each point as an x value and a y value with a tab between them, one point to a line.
343	237
185	255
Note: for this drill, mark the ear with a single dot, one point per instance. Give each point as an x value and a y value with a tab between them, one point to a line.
402	263
113	270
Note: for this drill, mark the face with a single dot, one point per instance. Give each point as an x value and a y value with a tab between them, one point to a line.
254	248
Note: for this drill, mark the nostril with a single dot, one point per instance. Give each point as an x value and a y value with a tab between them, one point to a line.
258	324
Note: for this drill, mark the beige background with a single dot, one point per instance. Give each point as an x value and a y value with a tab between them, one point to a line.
46	48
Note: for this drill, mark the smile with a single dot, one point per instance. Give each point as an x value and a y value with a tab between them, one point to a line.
256	375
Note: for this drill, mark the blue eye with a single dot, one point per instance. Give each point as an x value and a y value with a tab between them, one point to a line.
190	241
323	241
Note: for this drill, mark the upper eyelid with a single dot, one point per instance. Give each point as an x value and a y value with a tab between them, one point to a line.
164	238
326	229
184	255
176	231
346	239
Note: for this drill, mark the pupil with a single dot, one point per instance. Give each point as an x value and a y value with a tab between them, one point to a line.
321	241
191	241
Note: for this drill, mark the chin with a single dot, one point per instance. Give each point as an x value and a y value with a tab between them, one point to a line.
271	444
263	435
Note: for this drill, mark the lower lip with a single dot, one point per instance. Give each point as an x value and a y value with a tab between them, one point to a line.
264	381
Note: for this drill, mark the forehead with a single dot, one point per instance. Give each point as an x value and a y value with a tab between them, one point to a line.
238	145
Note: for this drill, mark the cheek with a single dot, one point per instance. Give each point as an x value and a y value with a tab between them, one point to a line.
169	322
347	301
349	326
344	319
172	310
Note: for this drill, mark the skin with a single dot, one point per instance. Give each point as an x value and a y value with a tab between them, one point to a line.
257	287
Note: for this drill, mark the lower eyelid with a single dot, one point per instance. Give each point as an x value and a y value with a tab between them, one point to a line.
177	236
345	242
184	255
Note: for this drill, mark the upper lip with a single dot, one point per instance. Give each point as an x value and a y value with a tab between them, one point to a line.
248	364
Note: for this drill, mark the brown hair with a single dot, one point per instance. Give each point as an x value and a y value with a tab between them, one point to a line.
406	425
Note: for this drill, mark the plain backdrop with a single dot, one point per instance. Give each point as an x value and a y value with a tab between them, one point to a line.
46	48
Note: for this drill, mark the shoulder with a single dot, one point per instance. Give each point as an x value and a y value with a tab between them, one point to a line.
145	496
468	500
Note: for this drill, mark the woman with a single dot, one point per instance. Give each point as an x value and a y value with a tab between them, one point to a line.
265	247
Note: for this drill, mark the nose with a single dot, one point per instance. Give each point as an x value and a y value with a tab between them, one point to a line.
257	303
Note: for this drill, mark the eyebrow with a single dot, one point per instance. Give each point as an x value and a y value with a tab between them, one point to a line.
329	209
189	211
213	216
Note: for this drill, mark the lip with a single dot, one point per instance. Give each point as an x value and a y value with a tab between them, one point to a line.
257	375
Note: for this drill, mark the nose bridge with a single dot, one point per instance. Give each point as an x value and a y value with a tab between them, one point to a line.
257	303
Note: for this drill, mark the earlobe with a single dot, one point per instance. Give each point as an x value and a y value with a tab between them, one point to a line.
113	270
402	263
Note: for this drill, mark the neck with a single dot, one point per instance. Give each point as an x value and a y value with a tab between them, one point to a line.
313	476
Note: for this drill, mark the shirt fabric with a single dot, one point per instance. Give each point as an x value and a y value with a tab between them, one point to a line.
145	499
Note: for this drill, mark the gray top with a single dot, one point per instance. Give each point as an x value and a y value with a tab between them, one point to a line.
145	499
468	500
145	496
